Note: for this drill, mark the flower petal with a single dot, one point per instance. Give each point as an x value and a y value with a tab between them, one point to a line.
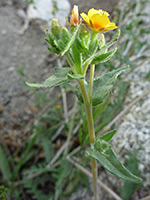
104	12
86	18
111	26
99	21
91	12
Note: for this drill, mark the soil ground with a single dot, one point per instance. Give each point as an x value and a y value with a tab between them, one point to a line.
29	52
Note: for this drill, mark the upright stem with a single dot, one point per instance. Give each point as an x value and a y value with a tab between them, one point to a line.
88	109
70	61
91	81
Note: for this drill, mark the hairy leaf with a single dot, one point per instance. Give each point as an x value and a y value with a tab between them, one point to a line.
103	84
102	152
108	136
104	57
76	77
100	53
51	41
59	77
129	188
67	39
77	57
4	165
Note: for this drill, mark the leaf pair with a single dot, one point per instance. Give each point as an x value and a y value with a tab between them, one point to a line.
102	86
102	151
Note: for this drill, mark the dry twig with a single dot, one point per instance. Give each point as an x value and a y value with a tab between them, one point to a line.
117	197
146	198
119	116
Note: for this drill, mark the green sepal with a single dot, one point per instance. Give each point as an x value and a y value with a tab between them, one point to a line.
61	76
102	151
83	40
104	57
103	84
93	45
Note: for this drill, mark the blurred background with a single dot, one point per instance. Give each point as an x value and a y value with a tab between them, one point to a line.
34	124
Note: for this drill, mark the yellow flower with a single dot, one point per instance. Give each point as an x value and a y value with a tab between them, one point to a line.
98	20
58	106
74	20
54	9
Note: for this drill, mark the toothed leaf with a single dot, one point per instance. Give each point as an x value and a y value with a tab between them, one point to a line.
61	76
102	152
104	57
103	84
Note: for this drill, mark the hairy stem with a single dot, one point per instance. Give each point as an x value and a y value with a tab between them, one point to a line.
71	63
91	81
88	109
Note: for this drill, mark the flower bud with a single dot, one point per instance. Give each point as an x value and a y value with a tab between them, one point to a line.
56	28
74	20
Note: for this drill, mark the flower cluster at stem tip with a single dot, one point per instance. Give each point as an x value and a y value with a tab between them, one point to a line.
97	20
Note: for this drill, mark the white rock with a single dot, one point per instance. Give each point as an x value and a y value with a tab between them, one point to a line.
43	9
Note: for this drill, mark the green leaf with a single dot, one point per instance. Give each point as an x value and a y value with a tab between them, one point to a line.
104	57
99	109
77	57
84	39
54	50
75	77
56	28
63	40
102	51
47	147
108	136
51	41
109	44
4	165
93	44
67	39
102	152
103	84
3	192
61	76
128	189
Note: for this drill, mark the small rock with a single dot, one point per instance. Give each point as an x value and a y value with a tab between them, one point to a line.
11	69
47	10
3	32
